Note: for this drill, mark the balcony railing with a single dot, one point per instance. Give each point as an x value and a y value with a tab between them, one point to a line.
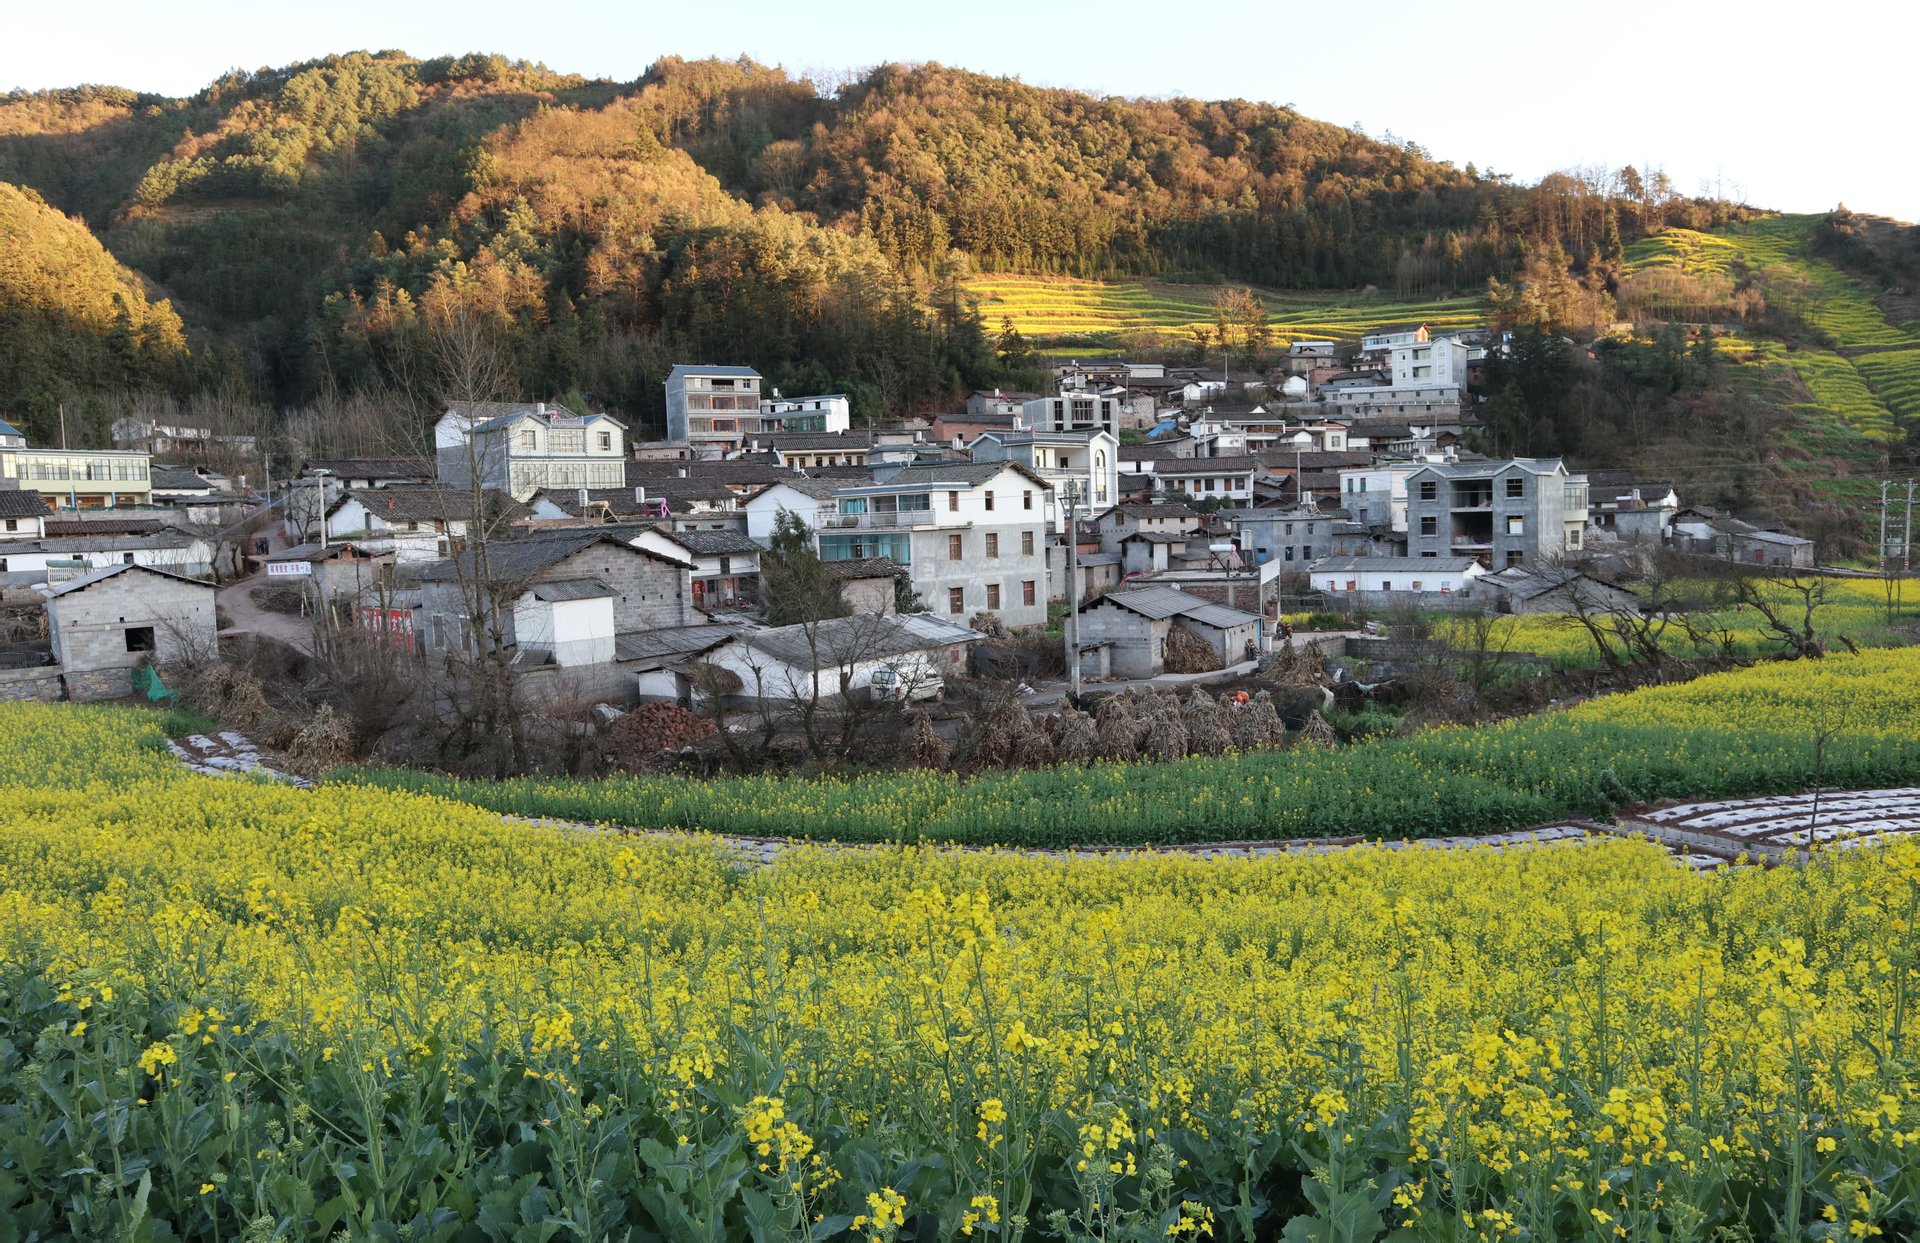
887	520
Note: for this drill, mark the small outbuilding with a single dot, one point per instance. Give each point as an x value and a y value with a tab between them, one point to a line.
108	623
1130	629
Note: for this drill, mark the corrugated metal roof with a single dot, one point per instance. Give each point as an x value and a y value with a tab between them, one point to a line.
1220	616
99	576
867	636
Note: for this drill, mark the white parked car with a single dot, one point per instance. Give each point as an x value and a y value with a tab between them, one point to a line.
892	683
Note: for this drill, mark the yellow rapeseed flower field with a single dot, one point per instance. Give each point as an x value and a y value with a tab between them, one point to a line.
233	1006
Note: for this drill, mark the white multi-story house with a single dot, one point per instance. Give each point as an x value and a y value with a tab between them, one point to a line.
973	536
1228	479
1074	412
828	412
1437	363
1090	459
712	409
523	449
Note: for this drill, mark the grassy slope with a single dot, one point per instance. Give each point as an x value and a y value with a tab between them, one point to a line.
1050	309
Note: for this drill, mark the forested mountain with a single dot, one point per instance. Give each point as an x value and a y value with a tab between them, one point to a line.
72	320
318	223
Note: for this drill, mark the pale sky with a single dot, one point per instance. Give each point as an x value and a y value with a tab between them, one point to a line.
1795	107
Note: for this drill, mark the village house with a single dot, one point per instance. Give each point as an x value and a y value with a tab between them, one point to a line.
1518	511
1304	356
830	413
1705	533
1517	589
361	473
726	564
1292	536
1073	412
520	449
972	535
107	623
712	408
563	599
71	545
339	571
420	524
1124	633
1228	479
1087	460
1390	582
23	515
175	434
799	450
75	478
868	584
824	660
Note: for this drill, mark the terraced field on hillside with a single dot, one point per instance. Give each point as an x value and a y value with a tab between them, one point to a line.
1058	310
1870	377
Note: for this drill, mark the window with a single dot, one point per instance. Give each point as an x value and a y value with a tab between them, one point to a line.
1514	555
993	545
13	524
606	440
1352	586
954	552
1026	499
993	596
1289	556
1573	537
1429	525
1429	490
953	502
1027	592
1516	526
529	439
139	638
1429	554
956	600
989	498
1416	584
1386	584
1026	543
1516	488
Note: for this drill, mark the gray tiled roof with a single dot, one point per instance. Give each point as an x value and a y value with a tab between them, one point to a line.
571	589
672	641
513	560
20	503
686	369
374	467
715	543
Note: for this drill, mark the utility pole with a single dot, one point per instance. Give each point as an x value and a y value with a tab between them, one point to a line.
63	426
1072	496
1883	524
1906	542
